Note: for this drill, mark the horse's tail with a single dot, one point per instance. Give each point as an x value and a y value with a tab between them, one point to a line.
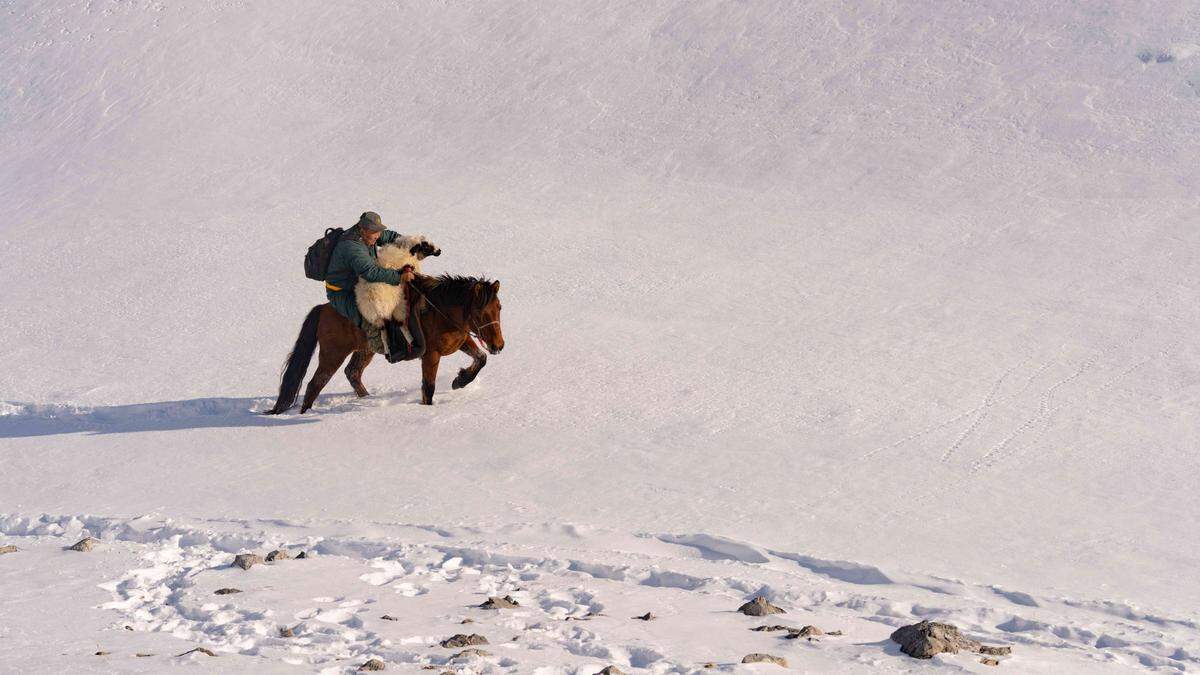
296	364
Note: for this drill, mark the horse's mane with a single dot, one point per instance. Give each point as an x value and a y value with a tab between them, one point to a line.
452	290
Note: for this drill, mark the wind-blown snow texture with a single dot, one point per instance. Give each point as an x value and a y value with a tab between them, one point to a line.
900	298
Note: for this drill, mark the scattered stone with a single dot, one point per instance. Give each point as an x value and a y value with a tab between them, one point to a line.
301	555
773	628
923	640
287	632
470	652
646	617
197	650
143	655
278	554
835	633
84	545
461	640
8	549
246	560
611	670
710	664
373	664
759	607
988	661
128	627
995	651
102	653
506	602
389	617
467	620
765	658
810	632
227	591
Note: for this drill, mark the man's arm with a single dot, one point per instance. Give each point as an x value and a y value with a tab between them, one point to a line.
387	237
364	265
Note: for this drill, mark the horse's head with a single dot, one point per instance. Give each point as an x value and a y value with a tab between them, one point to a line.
423	249
486	322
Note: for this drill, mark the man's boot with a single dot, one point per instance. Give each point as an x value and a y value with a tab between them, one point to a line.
400	348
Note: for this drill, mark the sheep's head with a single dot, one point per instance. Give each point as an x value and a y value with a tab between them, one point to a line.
424	249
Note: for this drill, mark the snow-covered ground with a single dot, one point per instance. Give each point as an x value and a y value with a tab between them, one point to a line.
886	310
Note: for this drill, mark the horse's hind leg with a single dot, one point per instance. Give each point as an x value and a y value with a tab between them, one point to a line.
327	365
467	375
354	370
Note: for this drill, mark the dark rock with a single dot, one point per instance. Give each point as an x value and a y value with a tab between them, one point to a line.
197	650
467	620
759	607
611	670
8	549
246	560
461	640
646	617
765	658
287	632
470	652
278	554
389	617
101	653
506	602
809	632
834	633
924	640
84	545
373	664
989	661
773	628
995	651
301	555
143	655
226	591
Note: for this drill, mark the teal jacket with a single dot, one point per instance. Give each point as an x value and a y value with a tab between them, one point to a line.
352	259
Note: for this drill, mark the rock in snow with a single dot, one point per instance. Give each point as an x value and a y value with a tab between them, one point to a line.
461	640
373	664
611	670
924	640
809	632
86	544
765	658
506	602
247	560
759	607
226	591
8	549
278	554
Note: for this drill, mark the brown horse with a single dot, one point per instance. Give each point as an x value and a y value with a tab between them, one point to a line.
450	310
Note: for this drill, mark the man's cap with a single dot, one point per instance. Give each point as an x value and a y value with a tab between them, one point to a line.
371	222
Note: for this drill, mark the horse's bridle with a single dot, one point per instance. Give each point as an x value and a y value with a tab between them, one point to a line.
469	311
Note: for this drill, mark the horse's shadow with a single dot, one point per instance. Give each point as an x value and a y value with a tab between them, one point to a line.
25	420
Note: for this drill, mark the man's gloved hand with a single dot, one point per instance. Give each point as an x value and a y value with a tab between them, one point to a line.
407	274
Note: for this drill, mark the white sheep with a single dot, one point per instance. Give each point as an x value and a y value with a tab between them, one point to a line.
378	301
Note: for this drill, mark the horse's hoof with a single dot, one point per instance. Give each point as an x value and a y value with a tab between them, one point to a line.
457	384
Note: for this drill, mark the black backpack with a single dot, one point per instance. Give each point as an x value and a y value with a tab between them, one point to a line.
316	261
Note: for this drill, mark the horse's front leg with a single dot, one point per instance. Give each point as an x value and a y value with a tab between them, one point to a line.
467	375
429	368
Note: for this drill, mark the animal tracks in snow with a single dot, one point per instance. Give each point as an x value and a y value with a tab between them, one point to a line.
575	602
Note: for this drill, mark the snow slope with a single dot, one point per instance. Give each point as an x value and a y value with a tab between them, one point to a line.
909	286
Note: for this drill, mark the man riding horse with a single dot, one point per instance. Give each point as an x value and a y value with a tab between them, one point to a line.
355	257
